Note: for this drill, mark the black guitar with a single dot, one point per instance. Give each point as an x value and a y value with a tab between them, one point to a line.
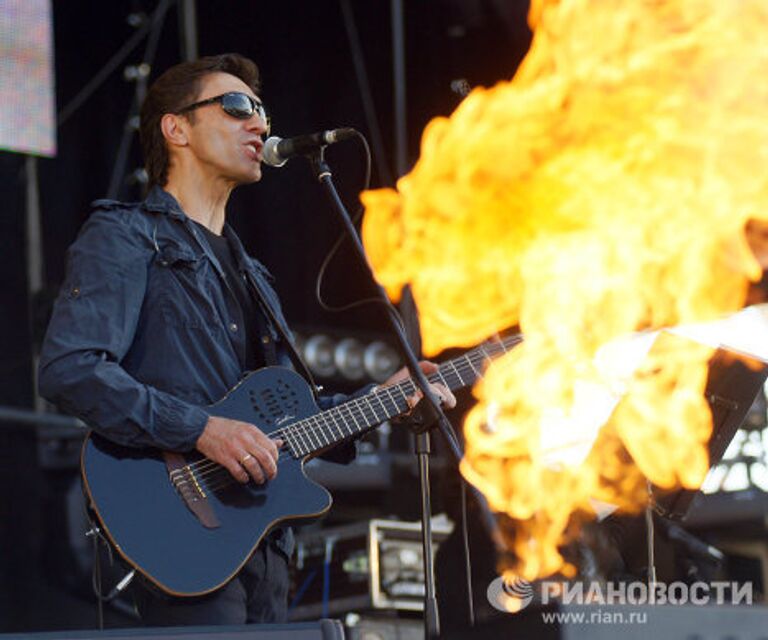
183	522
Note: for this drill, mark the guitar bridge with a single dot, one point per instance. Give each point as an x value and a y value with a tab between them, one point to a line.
185	481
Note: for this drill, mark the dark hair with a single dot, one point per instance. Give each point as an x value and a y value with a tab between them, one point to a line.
173	90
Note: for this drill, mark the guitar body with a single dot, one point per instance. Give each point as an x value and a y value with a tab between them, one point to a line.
152	527
184	523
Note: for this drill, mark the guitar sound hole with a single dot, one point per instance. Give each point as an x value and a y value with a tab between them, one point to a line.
272	404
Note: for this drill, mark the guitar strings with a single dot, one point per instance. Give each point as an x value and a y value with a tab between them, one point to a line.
308	430
468	365
355	410
309	426
207	470
304	430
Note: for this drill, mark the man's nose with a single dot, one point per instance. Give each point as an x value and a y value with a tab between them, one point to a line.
257	124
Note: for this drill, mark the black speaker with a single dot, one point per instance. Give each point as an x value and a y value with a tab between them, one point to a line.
320	630
384	628
567	622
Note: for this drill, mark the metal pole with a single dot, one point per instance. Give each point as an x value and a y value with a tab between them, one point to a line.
188	28
34	256
650	544
398	70
369	107
34	248
15	416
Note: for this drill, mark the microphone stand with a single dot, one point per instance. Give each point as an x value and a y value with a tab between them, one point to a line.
428	409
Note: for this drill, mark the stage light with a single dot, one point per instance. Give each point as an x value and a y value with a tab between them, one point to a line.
337	356
348	357
380	360
318	353
402	568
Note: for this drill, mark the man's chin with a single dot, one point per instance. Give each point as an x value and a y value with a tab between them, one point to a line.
250	177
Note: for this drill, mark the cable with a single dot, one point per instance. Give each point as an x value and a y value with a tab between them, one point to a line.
330	255
96	575
302	589
467	556
336	245
96	581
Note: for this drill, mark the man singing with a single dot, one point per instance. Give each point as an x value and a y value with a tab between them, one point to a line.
162	312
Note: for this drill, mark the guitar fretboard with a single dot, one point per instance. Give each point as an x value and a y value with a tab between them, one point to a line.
354	417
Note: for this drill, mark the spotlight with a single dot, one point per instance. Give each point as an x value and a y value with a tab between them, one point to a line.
346	357
380	360
349	358
318	352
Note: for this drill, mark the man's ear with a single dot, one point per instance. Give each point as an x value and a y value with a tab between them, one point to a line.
174	129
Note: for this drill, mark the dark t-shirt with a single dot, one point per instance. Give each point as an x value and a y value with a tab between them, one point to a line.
252	317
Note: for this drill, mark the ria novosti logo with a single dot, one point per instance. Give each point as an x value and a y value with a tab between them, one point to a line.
514	595
510	595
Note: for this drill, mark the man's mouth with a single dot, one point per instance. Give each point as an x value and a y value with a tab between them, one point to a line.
254	150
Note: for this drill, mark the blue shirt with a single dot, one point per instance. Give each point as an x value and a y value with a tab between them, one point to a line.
145	333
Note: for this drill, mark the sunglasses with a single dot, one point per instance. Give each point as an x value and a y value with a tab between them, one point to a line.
236	104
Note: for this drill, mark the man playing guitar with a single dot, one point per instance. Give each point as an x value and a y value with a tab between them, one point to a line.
162	312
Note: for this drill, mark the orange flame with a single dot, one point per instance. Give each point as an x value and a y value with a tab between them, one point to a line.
603	191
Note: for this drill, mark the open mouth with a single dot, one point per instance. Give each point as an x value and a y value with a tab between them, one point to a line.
253	149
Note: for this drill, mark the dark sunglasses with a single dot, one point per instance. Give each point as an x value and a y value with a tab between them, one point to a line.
236	104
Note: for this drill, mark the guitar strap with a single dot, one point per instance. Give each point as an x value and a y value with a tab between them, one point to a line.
271	357
270	349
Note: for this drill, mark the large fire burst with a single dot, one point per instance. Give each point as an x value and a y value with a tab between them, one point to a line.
604	191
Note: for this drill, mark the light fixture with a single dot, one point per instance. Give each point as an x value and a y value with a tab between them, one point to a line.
348	357
340	356
380	360
319	355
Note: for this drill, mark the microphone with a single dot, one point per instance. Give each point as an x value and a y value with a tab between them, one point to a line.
277	151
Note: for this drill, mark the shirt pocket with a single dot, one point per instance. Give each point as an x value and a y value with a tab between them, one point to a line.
182	288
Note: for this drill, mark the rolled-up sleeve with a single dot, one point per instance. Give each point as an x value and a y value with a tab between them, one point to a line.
93	326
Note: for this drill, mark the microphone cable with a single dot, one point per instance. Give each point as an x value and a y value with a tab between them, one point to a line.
339	241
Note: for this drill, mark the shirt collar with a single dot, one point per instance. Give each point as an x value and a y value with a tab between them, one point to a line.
158	200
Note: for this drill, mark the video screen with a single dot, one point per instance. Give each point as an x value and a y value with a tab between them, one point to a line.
27	99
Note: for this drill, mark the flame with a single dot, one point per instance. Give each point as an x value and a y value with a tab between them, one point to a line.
605	190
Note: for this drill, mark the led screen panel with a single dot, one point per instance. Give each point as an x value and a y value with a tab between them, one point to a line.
27	102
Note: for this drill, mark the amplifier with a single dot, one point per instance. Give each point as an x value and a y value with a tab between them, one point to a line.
317	630
369	565
383	627
593	622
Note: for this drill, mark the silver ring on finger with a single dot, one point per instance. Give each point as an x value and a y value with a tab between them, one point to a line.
245	458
